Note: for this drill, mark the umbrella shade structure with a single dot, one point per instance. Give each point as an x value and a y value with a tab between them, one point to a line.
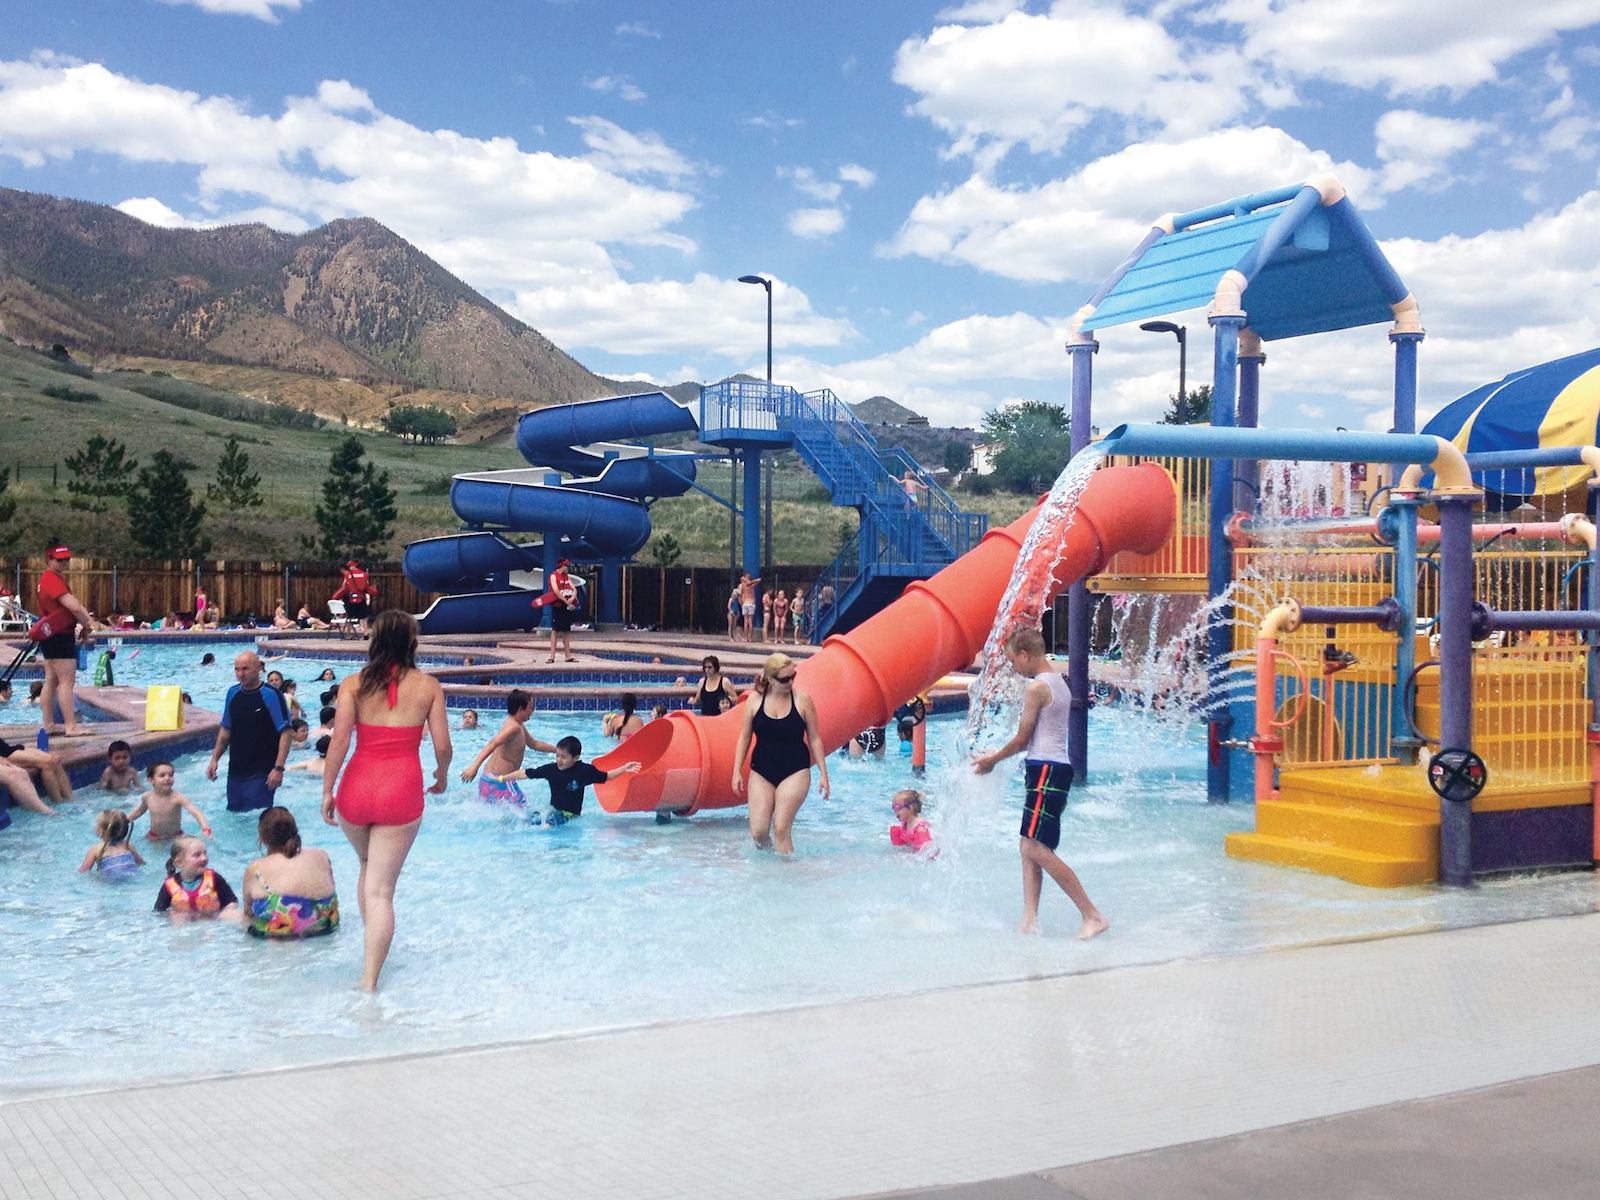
1553	404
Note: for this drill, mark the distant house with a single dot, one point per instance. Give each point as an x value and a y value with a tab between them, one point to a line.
983	458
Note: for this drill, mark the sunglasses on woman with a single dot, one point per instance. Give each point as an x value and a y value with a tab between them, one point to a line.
789	678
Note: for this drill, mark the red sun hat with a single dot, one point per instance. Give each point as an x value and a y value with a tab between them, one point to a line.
59	552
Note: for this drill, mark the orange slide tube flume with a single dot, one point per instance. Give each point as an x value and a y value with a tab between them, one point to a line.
937	626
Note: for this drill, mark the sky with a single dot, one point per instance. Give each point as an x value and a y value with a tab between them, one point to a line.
933	189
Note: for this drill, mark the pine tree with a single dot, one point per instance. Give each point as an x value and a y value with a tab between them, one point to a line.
236	489
355	518
102	473
10	534
163	517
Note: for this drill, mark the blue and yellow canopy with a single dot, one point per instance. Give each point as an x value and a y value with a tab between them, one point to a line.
1553	404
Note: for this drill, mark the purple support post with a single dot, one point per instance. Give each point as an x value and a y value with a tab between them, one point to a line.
1078	613
1455	677
1247	471
1219	566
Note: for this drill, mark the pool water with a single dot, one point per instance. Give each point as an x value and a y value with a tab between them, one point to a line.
509	931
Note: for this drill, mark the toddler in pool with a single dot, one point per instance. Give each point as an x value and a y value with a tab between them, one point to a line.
192	888
166	805
114	857
909	830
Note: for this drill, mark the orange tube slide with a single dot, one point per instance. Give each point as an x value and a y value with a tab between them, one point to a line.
859	678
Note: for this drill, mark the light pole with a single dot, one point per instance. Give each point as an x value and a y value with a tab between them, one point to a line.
766	283
762	281
1182	335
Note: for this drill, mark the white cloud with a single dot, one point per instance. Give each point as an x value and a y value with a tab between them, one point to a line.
706	314
1410	49
862	177
618	85
815	222
154	211
772	121
807	181
1415	148
1078	227
262	10
1036	79
638	29
980	11
627	153
340	95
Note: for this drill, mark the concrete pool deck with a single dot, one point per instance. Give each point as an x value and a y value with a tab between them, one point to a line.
1005	1088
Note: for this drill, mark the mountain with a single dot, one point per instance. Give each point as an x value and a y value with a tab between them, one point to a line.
348	300
880	410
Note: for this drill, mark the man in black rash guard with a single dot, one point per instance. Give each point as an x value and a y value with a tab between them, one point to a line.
256	733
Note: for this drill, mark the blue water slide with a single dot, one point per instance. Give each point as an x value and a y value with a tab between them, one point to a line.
587	495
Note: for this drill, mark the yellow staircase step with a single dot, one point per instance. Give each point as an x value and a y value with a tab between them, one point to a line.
1356	866
1376	828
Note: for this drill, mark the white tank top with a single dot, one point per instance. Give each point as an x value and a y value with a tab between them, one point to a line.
1049	740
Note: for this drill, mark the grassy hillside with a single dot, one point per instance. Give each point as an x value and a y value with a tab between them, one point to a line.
49	411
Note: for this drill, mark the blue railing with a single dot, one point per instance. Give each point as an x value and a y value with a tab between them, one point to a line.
919	529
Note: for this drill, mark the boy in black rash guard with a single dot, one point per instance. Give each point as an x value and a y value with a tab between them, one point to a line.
568	777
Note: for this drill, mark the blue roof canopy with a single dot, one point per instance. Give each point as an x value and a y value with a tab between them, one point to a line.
1310	266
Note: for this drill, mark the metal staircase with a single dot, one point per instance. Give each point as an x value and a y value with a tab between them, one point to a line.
898	540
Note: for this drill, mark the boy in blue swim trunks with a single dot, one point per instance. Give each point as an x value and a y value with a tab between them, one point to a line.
1047	778
503	754
569	776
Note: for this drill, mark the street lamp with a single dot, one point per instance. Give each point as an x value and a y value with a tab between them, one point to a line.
766	283
762	281
1182	335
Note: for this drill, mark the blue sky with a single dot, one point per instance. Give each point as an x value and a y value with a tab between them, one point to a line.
934	188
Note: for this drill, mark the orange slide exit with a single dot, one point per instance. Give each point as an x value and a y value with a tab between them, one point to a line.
859	678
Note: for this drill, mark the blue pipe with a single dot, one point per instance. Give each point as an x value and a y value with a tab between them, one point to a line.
1078	609
1219	575
1197	441
1237	206
1541	456
1405	385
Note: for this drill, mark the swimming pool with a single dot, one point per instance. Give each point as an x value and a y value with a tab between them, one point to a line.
508	931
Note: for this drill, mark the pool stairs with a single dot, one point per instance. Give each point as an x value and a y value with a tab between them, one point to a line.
897	540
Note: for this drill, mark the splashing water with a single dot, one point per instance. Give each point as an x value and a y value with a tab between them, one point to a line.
997	693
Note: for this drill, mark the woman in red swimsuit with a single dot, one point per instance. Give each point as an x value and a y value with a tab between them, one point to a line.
379	800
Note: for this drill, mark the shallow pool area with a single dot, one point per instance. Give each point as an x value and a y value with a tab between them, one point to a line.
510	931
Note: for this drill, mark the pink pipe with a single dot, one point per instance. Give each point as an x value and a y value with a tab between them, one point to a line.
1425	533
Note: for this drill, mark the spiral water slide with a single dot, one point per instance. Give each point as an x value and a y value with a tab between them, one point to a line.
598	513
937	626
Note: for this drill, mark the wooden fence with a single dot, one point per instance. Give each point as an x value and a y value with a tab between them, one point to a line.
695	598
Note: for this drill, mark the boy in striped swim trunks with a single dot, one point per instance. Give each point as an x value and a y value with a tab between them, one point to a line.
1047	777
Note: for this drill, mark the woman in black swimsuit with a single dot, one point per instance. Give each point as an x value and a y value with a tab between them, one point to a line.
783	720
708	693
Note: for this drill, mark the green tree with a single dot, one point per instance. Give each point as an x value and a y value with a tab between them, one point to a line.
1034	439
10	534
666	551
163	517
957	457
1195	409
355	517
236	488
102	473
420	423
